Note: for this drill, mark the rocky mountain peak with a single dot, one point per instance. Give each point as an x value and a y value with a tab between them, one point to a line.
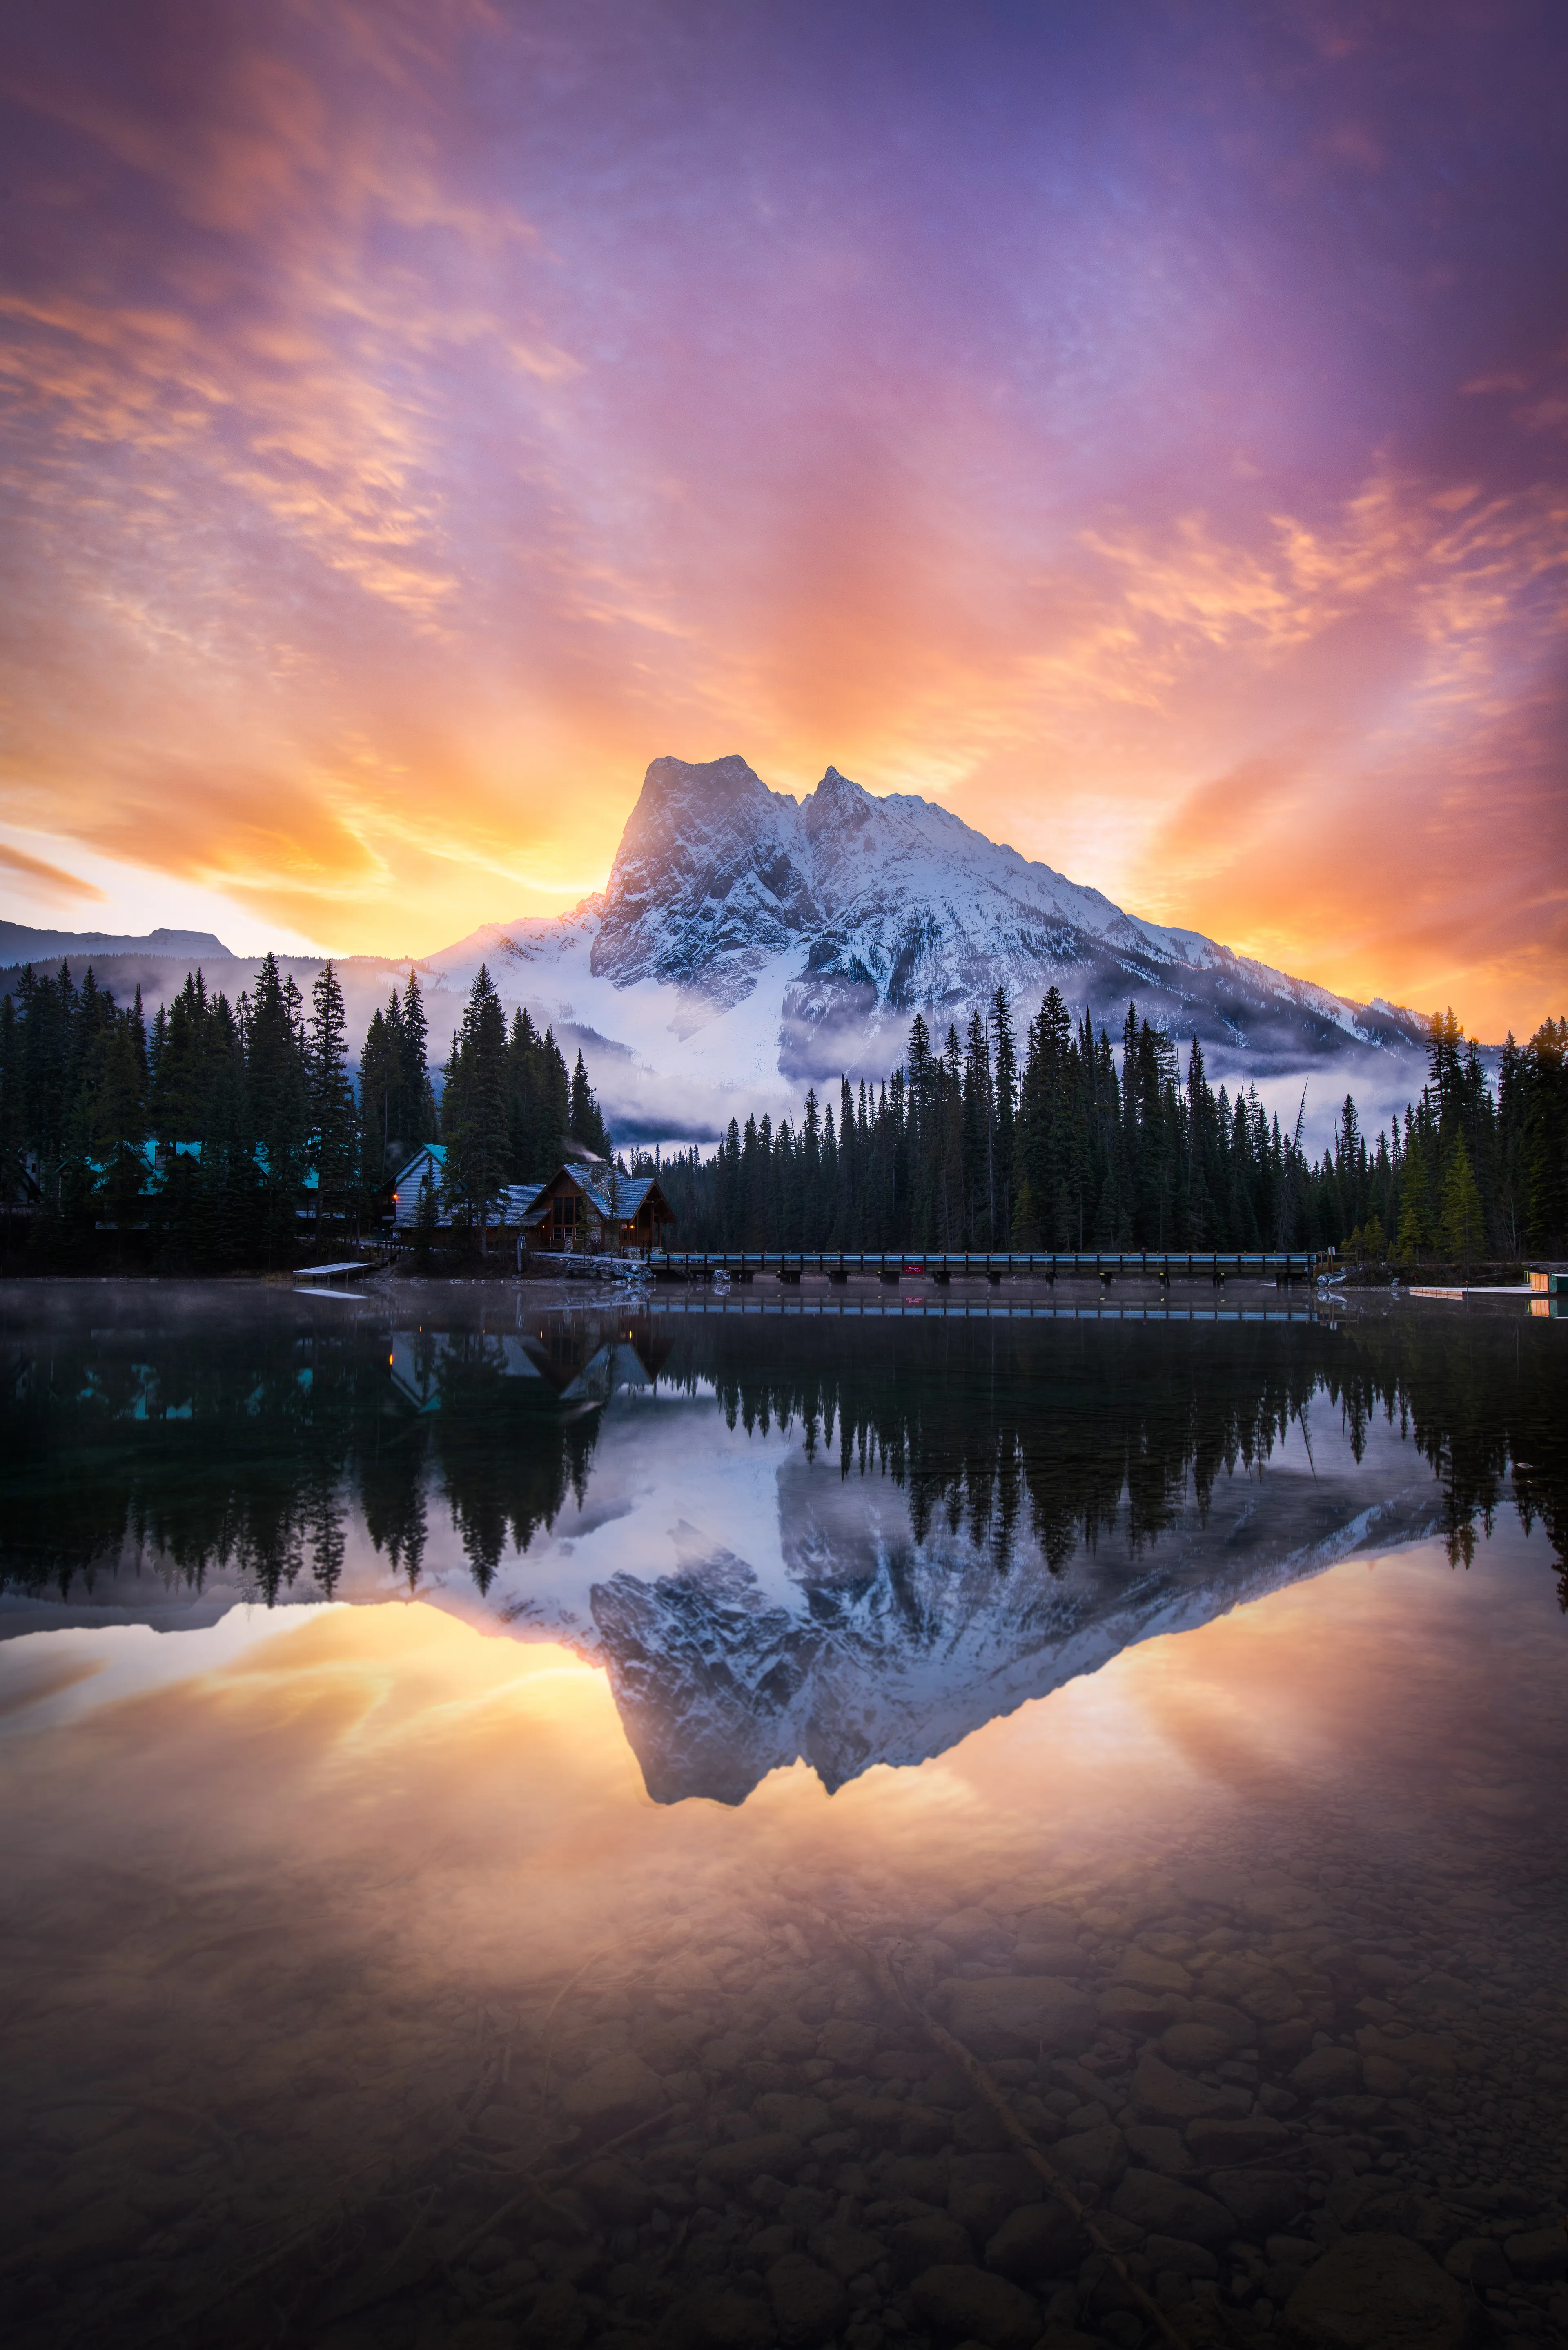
708	879
821	925
838	811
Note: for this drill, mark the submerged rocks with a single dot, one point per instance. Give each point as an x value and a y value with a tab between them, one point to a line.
1154	2145
1147	2200
1261	2201
1097	2155
1377	2292
1175	2254
1053	1958
936	2240
808	2304
715	2318
1163	2095
772	2154
614	2095
1018	2015
1479	2260
1191	2047
801	2117
1038	2240
1218	2142
986	2187
969	1933
1147	1972
972	2304
1327	2072
1540	2255
1126	2007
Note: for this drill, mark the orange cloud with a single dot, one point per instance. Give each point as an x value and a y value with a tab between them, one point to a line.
53	878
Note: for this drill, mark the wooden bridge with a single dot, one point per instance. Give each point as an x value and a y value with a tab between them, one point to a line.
1282	1266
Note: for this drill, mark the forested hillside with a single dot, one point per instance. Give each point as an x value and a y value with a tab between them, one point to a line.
228	1133
1078	1145
224	1132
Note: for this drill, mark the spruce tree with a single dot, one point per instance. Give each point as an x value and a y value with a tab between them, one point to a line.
334	1113
587	1126
473	1110
279	1096
1004	1096
1463	1231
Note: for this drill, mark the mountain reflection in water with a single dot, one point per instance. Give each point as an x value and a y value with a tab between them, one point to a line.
850	1539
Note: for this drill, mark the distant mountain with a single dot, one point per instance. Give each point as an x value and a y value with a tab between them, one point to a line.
19	944
748	944
750	941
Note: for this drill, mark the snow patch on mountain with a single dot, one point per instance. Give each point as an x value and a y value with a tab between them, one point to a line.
748	944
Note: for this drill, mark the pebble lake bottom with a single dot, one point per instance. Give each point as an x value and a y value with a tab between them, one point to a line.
381	1972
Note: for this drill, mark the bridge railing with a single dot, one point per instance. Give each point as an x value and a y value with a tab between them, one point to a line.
994	1264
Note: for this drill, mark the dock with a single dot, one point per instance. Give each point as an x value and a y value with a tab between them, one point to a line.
329	1276
1526	1290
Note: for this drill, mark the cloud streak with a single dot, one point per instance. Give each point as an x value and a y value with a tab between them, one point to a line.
37	873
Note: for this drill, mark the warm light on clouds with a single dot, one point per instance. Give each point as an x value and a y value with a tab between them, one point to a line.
1150	440
35	876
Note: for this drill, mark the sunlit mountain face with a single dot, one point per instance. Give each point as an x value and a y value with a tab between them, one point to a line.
851	1535
1138	431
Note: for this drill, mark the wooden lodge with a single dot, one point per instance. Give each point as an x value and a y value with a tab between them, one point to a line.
597	1211
585	1209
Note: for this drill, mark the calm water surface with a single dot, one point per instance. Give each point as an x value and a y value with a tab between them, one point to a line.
461	1765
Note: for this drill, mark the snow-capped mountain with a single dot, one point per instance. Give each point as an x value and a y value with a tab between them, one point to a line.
748	944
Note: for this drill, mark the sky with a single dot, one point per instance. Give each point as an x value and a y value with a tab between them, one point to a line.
1143	428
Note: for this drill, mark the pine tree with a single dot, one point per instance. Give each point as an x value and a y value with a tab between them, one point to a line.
473	1110
334	1113
1004	1095
279	1091
587	1126
1462	1229
418	1121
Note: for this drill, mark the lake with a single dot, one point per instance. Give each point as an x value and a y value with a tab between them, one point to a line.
760	1820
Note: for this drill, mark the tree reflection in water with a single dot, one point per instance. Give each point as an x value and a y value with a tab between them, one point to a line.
242	1434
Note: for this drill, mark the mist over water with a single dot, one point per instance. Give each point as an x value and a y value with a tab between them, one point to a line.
1181	1701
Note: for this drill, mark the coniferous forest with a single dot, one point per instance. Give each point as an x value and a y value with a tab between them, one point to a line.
1084	1141
219	1135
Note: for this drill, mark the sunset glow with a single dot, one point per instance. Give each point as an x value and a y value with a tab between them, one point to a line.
1143	429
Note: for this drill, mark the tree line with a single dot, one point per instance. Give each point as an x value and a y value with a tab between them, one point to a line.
1073	1145
210	1127
226	1132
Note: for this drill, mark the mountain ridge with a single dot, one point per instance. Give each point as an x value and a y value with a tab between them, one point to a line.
747	944
777	938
